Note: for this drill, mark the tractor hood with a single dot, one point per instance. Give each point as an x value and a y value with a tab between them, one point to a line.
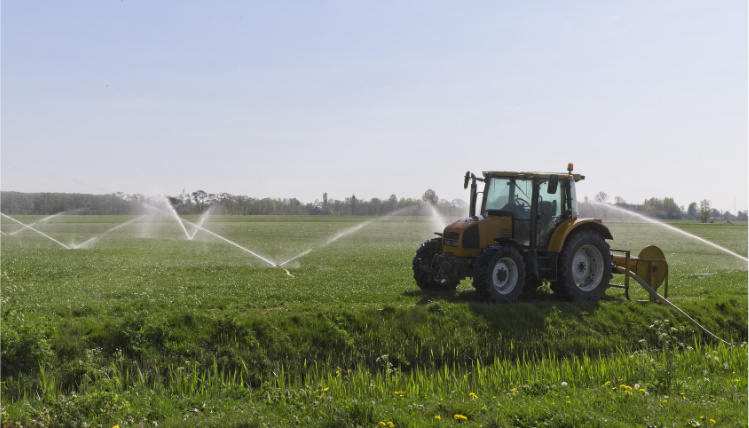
465	237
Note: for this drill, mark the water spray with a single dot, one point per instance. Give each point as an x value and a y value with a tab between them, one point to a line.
176	216
438	221
30	226
271	263
676	229
200	227
200	223
36	230
104	233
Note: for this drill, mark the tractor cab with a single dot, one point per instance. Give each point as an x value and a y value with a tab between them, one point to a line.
536	203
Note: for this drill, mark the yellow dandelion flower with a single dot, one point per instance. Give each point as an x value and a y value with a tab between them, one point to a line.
438	418
625	387
664	400
459	417
608	382
569	402
326	389
382	424
626	392
712	421
473	395
391	424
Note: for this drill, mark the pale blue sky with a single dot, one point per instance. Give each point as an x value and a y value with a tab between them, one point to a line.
293	99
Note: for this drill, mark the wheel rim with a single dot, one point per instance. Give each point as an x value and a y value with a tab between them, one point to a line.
504	275
587	267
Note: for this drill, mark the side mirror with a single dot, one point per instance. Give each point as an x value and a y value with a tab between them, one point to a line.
553	184
468	177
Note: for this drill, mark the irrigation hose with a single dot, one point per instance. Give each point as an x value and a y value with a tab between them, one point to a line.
665	301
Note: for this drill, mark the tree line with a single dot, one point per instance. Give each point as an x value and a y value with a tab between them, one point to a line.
17	203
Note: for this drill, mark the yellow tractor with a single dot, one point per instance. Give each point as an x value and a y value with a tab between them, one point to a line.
527	232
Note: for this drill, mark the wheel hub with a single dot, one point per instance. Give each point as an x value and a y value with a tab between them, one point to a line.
587	267
504	276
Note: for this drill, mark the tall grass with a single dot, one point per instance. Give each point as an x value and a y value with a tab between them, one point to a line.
475	389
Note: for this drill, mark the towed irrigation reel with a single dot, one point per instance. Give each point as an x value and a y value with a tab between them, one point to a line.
649	267
527	232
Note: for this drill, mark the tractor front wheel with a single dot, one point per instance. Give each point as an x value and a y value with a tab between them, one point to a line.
427	266
584	267
499	274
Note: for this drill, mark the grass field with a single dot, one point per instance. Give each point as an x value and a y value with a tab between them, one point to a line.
142	326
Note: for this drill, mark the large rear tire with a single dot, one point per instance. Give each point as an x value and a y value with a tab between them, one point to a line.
426	267
499	274
584	267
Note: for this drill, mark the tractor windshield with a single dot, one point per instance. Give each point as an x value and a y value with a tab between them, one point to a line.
509	194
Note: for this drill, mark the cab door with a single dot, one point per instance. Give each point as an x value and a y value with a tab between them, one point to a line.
550	210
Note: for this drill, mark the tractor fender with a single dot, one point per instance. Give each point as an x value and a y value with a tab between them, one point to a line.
559	237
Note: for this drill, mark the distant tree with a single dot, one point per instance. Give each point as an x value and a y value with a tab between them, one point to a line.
692	212
704	210
430	197
200	197
618	200
661	208
601	197
742	215
458	203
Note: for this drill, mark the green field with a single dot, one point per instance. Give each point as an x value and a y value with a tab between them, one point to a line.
145	327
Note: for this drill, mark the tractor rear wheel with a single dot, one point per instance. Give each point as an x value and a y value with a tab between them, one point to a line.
427	265
584	267
499	273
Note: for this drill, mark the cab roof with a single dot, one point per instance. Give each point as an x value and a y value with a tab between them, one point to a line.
542	175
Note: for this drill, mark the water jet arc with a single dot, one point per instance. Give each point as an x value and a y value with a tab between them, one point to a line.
31	226
676	229
273	264
36	230
104	233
